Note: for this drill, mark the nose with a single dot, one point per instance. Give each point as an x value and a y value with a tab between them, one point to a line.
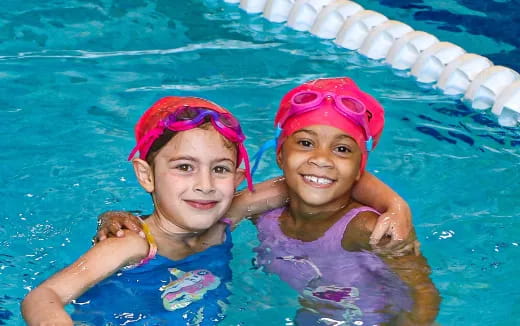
320	158
204	183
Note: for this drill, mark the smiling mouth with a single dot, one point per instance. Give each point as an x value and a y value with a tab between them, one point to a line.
316	181
202	204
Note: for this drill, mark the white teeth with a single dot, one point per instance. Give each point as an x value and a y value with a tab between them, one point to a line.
322	181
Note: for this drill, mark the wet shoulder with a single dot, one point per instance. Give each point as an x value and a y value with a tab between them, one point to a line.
358	231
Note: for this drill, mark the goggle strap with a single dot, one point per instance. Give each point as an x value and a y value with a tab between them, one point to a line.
258	156
249	177
267	145
369	143
148	139
132	153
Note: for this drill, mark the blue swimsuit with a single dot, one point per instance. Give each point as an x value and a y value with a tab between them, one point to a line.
190	291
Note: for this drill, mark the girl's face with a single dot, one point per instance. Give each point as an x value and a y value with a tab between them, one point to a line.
194	178
321	164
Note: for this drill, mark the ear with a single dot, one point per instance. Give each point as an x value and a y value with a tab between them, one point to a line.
144	173
279	158
239	177
359	174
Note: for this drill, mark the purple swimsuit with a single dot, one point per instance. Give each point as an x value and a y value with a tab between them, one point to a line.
354	286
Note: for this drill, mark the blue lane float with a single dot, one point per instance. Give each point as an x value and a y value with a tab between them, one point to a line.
444	65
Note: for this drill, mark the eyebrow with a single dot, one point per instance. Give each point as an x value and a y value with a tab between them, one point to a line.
339	137
306	131
193	159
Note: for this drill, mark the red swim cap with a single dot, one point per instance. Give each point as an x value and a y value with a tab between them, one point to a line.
166	105
327	114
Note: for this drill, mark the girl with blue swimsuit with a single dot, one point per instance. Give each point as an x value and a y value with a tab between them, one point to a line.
189	153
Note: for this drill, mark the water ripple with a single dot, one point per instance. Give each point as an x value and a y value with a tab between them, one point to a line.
217	82
83	54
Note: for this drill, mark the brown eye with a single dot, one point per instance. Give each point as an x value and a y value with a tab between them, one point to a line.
305	143
343	149
221	169
184	167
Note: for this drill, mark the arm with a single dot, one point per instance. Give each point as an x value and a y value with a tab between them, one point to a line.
45	304
415	272
412	269
272	193
268	195
396	217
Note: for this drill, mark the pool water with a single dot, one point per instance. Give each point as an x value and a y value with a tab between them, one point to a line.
76	75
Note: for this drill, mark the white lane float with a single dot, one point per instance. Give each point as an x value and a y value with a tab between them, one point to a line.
433	60
460	73
487	86
507	105
380	39
406	50
331	18
304	13
355	30
444	65
277	11
252	6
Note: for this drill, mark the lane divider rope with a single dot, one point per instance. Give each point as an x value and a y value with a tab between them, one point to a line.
446	66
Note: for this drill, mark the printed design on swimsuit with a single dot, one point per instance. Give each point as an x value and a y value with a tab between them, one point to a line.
187	288
342	297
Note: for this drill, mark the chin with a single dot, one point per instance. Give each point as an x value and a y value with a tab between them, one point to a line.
315	201
200	227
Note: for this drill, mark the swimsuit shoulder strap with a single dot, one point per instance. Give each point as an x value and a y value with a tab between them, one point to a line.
268	221
335	232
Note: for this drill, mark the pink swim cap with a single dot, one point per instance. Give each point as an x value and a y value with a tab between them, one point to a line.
327	113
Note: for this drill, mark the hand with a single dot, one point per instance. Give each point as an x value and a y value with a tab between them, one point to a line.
392	232
112	223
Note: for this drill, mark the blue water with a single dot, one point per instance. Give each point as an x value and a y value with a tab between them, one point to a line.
76	75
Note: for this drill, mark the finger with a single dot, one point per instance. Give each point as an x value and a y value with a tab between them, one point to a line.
401	248
132	225
100	236
380	230
394	244
399	232
417	248
114	228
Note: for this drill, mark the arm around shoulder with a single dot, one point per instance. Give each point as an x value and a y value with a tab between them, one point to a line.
268	195
414	270
396	217
411	268
45	304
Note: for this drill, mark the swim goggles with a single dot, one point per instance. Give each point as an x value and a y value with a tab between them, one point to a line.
350	107
188	117
305	101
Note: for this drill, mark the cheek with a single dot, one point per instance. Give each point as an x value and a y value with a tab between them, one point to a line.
351	167
166	183
226	186
289	158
